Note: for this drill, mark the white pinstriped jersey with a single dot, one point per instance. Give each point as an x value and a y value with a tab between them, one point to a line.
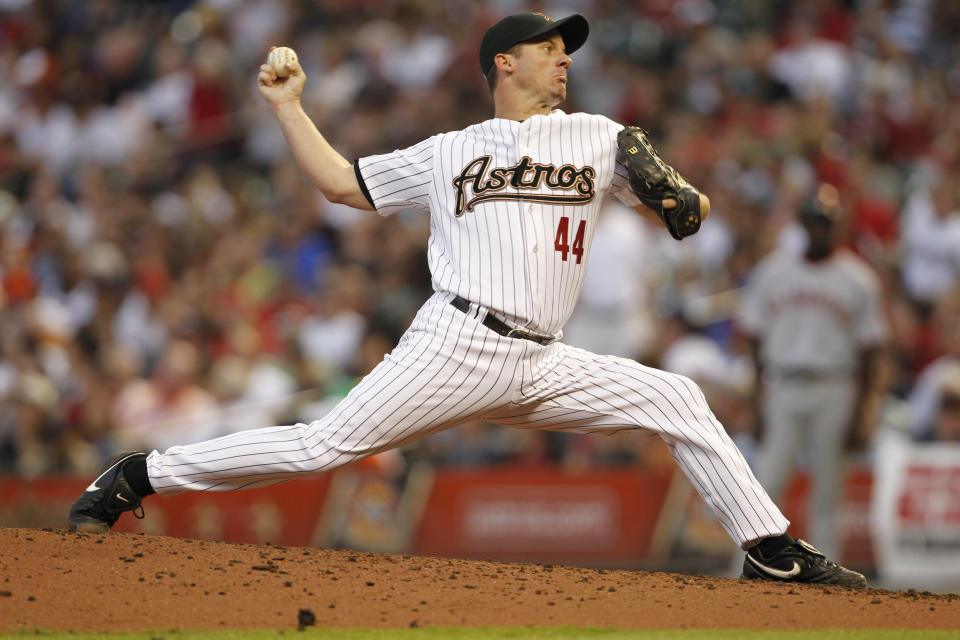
512	205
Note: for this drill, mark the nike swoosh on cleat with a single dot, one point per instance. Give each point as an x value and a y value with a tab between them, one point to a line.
122	498
775	573
93	485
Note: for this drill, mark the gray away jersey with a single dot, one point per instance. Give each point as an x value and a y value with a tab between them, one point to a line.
513	207
813	315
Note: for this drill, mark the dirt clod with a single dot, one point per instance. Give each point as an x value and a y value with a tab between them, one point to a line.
305	618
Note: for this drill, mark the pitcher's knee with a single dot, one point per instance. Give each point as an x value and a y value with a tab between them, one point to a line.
686	387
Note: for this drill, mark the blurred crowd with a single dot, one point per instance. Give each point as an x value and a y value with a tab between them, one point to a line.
169	275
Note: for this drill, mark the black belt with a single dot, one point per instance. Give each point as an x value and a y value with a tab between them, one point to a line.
495	324
809	375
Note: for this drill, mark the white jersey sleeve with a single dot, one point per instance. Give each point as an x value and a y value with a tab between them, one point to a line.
620	185
398	180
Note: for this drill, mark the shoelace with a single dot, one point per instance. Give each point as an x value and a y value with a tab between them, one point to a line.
137	510
818	558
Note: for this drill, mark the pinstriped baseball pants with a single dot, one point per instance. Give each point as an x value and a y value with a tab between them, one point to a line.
448	369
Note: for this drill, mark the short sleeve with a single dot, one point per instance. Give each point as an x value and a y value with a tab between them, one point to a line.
398	180
620	184
620	187
871	327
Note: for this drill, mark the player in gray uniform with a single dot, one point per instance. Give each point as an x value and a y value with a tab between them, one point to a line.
513	203
816	325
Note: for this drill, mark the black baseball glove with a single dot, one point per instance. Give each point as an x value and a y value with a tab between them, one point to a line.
652	180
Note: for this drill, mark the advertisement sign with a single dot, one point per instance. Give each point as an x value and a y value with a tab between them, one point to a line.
543	514
916	513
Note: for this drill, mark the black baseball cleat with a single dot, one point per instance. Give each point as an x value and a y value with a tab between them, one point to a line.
98	508
799	562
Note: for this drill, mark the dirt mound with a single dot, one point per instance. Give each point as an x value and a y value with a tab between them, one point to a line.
59	580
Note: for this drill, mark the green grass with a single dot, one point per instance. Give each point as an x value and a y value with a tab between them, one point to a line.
497	633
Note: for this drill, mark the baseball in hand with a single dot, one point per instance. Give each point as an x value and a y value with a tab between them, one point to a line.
278	59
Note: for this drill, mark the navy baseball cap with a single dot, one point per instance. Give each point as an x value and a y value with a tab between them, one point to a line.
521	27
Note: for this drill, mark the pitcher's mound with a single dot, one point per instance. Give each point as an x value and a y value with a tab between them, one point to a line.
61	580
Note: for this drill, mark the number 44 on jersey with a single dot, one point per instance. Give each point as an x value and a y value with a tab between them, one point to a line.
561	243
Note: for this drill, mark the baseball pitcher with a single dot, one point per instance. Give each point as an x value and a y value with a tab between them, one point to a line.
513	203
